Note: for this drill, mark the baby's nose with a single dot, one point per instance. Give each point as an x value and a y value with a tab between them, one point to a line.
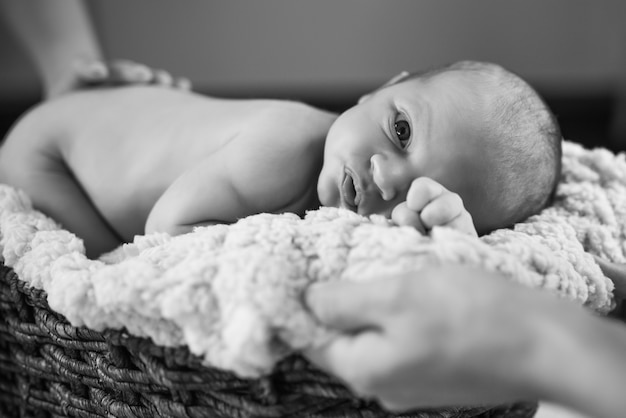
388	175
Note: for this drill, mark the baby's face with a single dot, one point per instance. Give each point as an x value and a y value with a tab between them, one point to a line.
432	128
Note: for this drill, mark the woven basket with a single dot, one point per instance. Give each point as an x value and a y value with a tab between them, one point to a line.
50	368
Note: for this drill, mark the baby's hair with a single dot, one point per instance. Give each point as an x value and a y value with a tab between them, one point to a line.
525	140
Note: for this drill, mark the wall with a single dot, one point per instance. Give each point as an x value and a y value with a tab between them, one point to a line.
335	47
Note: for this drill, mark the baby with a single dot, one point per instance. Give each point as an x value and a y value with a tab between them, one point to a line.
469	145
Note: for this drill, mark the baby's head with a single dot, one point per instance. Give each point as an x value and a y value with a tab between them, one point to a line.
476	128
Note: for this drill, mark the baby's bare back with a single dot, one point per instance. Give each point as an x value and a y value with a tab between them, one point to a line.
126	146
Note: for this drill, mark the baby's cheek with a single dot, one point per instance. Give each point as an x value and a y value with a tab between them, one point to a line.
327	193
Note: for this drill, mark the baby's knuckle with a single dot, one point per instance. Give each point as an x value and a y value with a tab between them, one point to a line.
399	208
455	200
427	181
429	218
404	217
434	185
421	184
419	181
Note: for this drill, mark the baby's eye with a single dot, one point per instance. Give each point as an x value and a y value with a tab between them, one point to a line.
403	132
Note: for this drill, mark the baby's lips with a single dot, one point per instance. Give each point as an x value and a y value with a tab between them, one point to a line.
348	191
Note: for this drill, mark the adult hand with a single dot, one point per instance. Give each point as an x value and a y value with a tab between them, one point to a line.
442	336
95	73
617	274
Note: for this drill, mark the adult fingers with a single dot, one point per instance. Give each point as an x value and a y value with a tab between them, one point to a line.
349	306
92	71
359	360
162	78
615	272
129	72
182	83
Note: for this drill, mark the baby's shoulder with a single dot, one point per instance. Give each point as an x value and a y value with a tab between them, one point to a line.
35	129
277	160
285	132
290	116
292	126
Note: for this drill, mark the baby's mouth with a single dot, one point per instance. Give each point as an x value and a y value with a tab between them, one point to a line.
349	191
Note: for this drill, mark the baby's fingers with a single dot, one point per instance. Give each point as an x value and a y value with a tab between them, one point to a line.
442	210
463	223
404	216
421	192
448	210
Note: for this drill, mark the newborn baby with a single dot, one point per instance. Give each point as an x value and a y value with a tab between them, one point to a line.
469	145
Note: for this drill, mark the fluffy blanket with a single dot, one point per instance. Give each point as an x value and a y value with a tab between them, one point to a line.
232	293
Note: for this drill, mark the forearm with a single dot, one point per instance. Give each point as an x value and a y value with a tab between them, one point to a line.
578	360
155	225
54	33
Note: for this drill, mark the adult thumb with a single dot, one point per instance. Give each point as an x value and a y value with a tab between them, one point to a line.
345	306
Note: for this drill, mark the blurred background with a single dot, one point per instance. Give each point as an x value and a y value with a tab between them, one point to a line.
329	52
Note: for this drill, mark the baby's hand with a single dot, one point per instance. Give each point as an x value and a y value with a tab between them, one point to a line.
123	72
429	204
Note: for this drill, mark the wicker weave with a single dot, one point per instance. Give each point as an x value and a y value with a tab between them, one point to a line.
50	368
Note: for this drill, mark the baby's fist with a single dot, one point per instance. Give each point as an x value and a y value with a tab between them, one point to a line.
429	204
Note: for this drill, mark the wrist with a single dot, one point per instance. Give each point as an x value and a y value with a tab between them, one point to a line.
59	73
576	358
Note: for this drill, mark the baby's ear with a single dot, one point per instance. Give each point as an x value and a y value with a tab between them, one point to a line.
393	80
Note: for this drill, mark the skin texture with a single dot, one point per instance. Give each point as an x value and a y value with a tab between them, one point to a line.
401	344
56	37
115	73
114	163
446	145
454	335
64	47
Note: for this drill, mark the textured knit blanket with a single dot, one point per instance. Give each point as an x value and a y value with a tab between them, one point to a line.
233	293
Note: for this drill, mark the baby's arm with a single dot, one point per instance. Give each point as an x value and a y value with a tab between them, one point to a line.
202	195
222	188
429	204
